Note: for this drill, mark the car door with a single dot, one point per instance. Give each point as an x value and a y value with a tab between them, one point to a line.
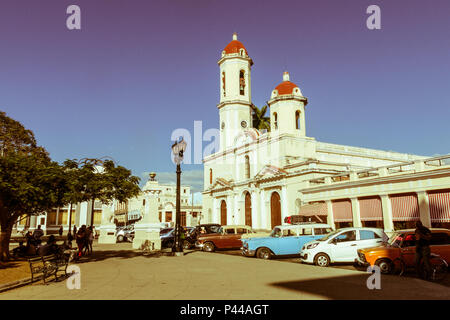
228	238
440	244
343	246
368	239
408	249
288	242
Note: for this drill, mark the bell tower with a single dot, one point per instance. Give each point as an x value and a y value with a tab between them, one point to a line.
235	107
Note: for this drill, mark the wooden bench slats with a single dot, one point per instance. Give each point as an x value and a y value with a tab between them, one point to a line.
47	265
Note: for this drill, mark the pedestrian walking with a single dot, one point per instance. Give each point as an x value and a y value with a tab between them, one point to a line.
74	230
423	237
81	239
91	237
60	231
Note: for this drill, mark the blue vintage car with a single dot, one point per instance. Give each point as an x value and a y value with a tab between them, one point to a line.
284	240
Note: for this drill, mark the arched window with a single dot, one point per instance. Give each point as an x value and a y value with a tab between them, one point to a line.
223	84
210	176
247	167
297	119
275	120
241	82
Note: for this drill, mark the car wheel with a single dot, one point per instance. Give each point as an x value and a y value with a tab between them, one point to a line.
209	247
186	244
119	238
385	266
322	260
264	253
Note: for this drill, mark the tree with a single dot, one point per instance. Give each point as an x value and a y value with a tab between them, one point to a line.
76	186
259	119
30	183
105	181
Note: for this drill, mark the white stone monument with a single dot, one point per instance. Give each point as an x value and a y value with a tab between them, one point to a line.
146	231
107	228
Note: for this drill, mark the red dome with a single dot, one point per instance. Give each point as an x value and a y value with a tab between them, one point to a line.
286	87
234	46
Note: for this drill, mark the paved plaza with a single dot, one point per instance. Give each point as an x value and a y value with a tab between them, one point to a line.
117	272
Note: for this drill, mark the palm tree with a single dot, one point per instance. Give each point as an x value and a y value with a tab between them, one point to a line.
259	120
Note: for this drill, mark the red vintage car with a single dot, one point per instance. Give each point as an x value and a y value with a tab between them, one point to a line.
228	237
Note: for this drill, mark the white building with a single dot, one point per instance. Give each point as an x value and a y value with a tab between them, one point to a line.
259	178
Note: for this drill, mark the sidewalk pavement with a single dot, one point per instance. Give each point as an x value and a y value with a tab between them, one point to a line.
117	272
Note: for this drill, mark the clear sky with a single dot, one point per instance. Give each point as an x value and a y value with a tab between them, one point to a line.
138	69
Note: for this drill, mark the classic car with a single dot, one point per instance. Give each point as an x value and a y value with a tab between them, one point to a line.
284	240
402	244
341	245
227	237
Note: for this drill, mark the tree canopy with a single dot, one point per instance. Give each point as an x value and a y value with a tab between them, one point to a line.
31	183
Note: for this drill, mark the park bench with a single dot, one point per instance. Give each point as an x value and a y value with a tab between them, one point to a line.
48	265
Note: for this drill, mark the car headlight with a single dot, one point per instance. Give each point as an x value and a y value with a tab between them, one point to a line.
312	246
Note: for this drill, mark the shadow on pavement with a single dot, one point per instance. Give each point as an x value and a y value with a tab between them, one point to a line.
101	255
354	287
109	254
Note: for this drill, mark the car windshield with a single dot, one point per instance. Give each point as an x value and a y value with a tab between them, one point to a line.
329	236
396	239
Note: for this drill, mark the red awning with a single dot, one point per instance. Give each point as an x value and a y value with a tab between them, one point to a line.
405	207
342	211
370	209
439	206
314	209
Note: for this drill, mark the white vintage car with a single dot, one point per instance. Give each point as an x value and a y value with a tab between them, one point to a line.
341	245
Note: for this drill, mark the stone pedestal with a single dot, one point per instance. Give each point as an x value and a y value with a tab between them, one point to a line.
146	231
107	228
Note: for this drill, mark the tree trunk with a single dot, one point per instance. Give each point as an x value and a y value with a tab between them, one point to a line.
5	236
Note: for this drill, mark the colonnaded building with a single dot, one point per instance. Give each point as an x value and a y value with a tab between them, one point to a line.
259	178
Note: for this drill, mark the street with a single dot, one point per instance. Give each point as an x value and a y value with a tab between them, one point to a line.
117	272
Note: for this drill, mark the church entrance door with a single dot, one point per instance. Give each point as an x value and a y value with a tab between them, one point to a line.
275	209
248	209
223	213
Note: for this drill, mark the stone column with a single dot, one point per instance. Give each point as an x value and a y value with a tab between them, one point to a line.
256	214
284	204
330	216
424	207
356	213
146	231
387	213
107	227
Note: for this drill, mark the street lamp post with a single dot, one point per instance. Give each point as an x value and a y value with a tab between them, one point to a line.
178	149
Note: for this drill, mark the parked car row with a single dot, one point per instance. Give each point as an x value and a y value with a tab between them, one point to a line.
314	243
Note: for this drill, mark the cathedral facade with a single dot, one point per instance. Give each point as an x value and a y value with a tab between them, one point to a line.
260	177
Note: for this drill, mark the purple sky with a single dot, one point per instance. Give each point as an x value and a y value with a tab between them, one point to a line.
139	69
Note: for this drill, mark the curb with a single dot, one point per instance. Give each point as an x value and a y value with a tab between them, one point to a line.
14	284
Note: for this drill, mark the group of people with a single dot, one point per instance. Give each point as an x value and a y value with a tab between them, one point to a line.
84	238
34	244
